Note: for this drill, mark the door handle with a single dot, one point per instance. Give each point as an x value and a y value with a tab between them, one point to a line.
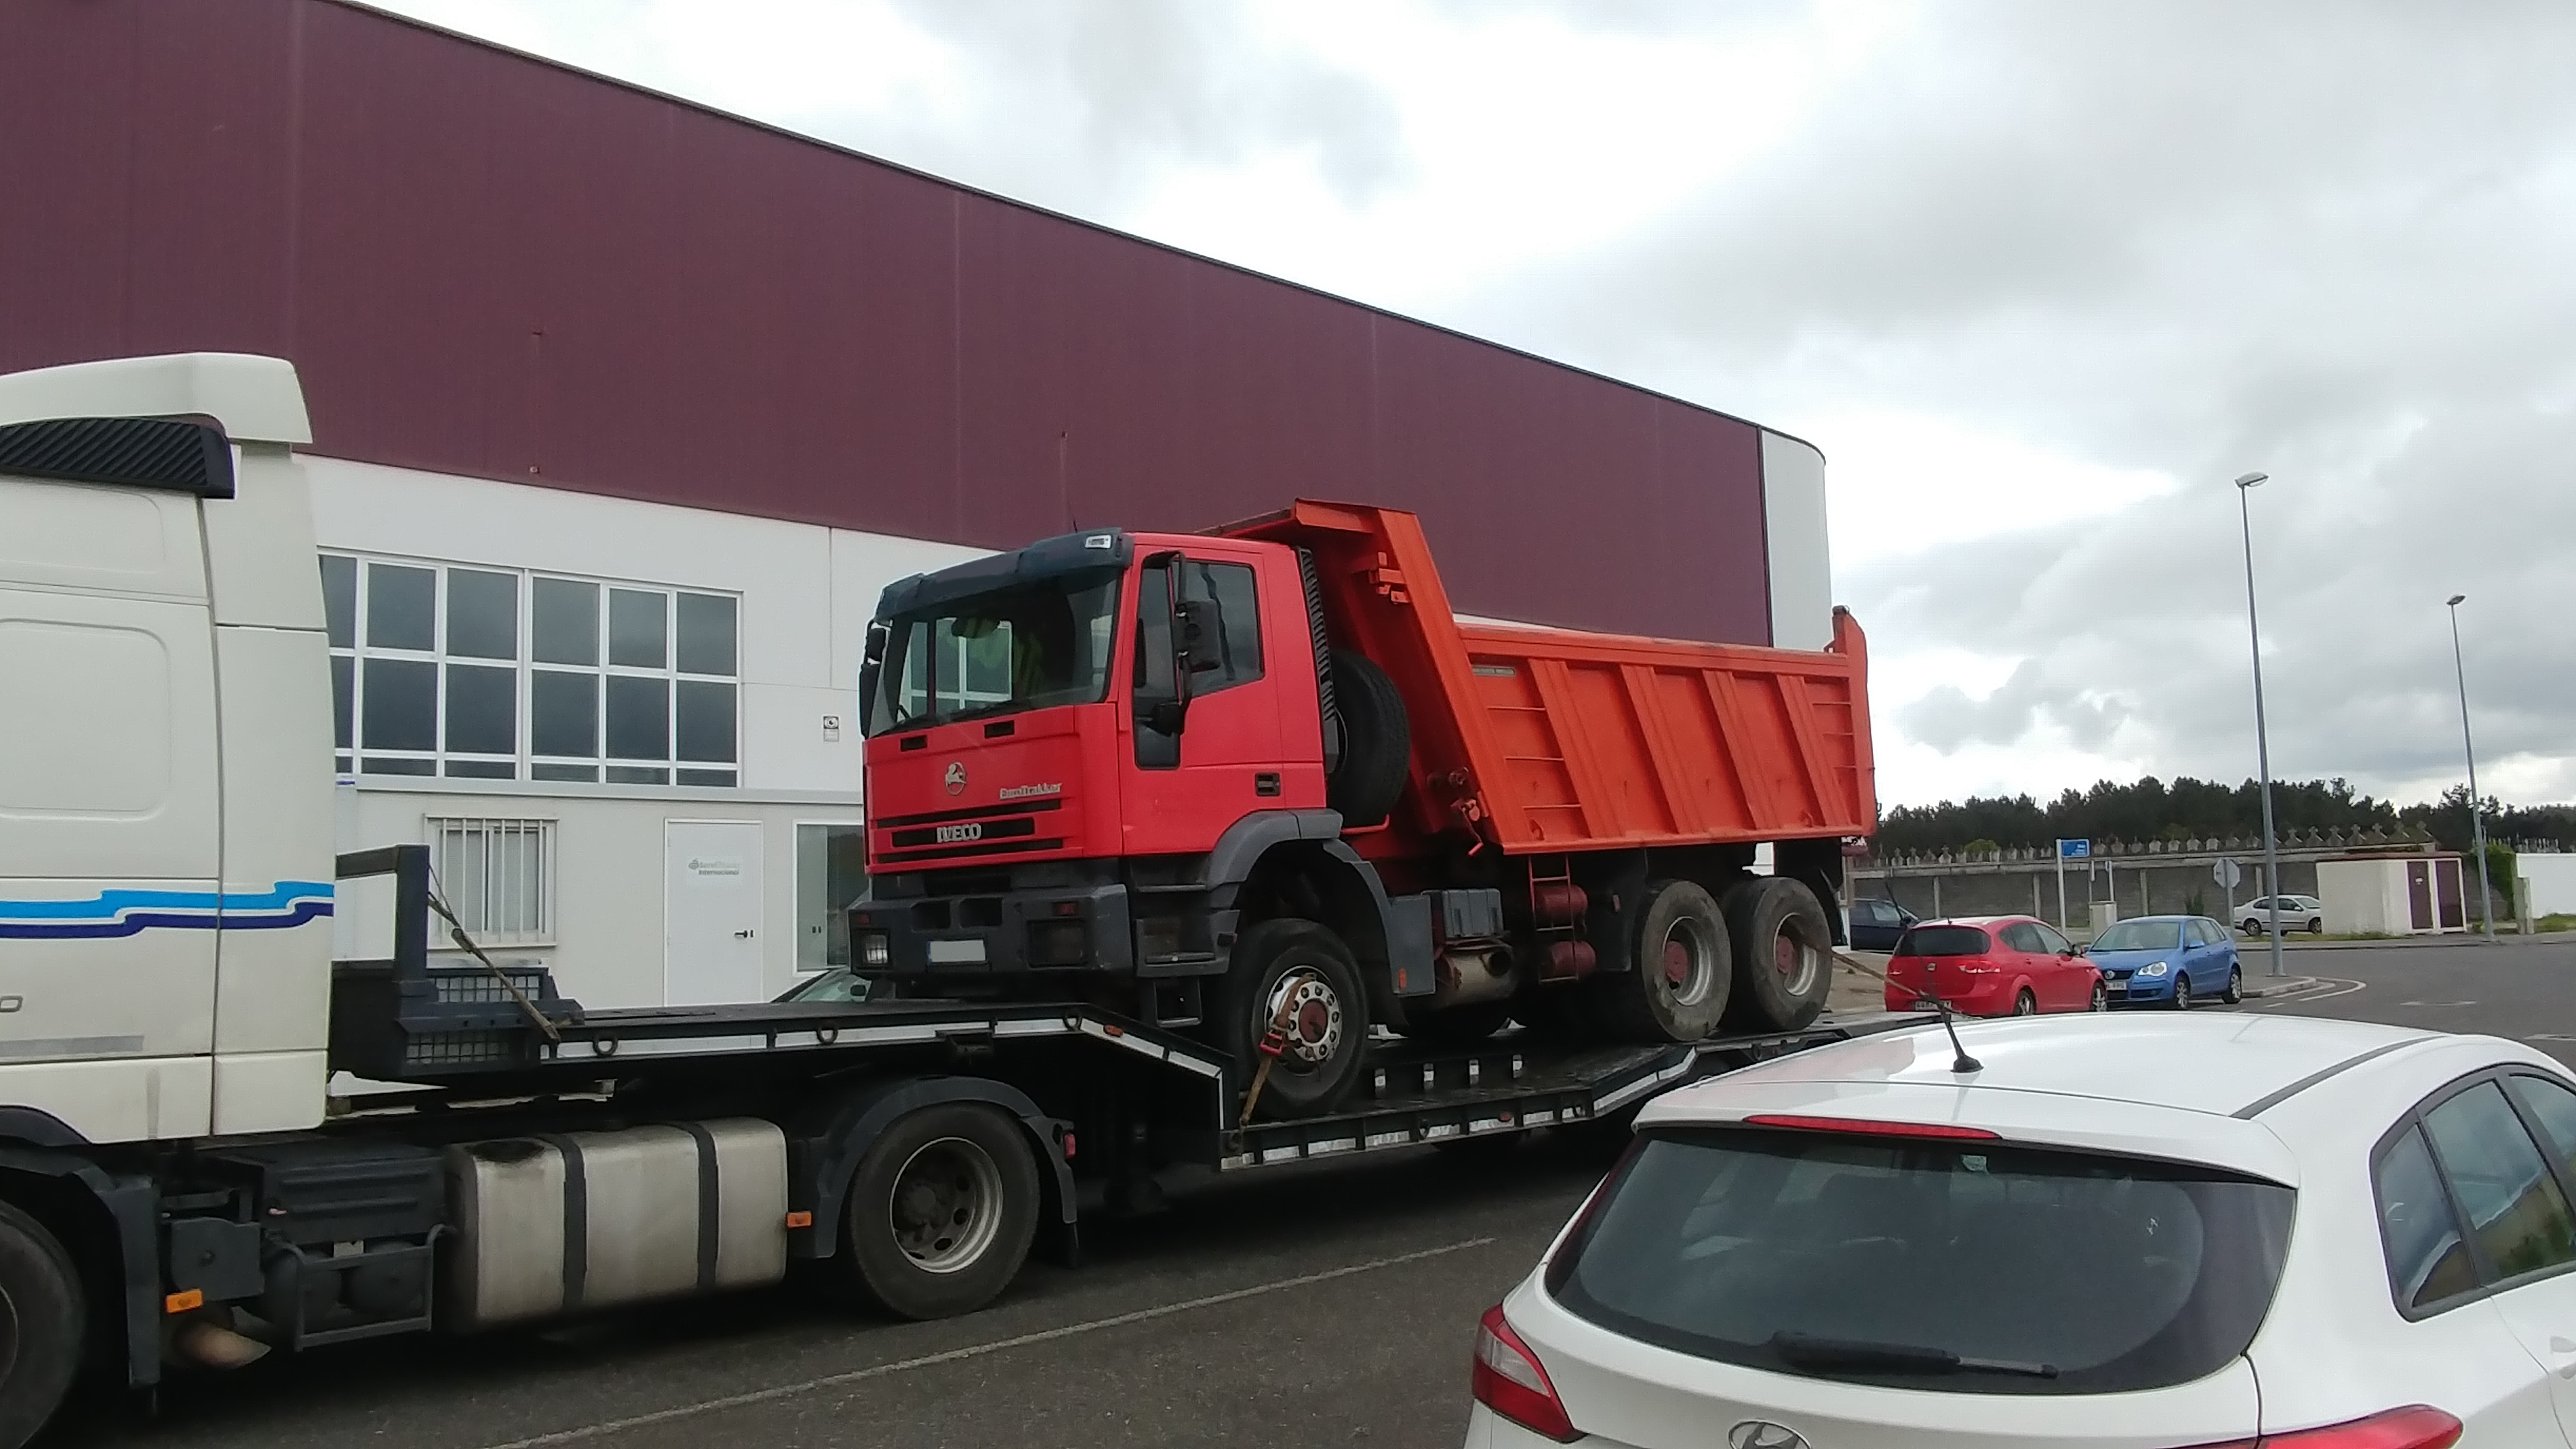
742	935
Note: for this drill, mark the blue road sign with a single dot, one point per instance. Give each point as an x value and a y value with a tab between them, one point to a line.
2075	850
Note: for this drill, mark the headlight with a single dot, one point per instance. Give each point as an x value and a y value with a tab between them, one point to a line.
2154	968
872	949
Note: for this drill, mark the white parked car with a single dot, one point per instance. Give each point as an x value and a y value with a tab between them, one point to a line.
2207	1230
2298	913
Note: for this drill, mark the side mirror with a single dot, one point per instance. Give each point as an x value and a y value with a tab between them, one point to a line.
871	664
1168	712
1194	634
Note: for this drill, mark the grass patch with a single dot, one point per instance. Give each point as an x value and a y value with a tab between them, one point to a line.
2557	922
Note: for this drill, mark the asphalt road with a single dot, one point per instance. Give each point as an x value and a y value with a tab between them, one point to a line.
2525	991
1323	1306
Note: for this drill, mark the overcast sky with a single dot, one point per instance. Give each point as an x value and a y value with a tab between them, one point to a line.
2040	278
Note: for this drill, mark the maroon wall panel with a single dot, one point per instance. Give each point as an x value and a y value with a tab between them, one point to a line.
485	264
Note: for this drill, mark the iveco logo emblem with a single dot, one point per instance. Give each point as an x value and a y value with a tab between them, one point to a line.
956	777
1763	1434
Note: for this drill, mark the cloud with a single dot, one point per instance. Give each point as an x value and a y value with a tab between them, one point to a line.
2144	248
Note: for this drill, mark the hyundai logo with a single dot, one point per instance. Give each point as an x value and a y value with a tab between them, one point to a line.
956	777
1763	1434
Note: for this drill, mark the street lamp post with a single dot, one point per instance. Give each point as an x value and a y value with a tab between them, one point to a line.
2477	814
2245	484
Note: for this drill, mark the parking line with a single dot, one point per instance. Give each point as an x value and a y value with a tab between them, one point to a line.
977	1350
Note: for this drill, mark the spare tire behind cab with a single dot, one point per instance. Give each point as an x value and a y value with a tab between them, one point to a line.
1376	742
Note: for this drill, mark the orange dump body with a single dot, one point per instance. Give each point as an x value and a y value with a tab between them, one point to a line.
1556	740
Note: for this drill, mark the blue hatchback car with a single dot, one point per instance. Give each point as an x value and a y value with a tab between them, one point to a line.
2168	961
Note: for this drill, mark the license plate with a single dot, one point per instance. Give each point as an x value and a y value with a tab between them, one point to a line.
957	953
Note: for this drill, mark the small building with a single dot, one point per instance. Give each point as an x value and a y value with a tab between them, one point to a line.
2418	894
2547	885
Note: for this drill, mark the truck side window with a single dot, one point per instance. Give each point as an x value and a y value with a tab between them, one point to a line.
1237	644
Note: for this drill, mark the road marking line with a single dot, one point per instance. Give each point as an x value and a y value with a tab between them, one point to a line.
2327	987
977	1350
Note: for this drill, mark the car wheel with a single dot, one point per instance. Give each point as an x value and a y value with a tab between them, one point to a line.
2253	926
2316	926
2182	992
2101	998
2025	1004
2235	985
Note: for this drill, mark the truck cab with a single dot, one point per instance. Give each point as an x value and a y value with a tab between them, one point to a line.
165	793
1040	719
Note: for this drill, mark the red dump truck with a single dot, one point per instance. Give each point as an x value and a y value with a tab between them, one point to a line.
1262	786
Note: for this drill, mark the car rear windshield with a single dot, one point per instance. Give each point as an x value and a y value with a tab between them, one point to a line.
2140	936
2051	1272
1943	941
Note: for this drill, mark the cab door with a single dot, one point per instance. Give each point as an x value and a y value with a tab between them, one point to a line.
1186	787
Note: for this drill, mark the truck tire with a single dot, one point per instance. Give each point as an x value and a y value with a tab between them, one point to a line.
1377	742
941	1211
1328	1031
42	1325
1784	960
1677	986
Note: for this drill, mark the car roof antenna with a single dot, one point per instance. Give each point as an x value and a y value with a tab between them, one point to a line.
1960	1062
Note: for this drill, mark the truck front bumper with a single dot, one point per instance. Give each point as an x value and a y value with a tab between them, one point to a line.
1026	928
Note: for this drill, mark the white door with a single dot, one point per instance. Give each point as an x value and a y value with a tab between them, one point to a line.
711	912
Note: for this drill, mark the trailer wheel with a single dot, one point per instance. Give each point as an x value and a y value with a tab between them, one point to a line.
42	1325
1305	969
1784	962
1677	987
942	1210
1377	742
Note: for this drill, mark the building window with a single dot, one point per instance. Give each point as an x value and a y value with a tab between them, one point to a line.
831	872
498	877
493	674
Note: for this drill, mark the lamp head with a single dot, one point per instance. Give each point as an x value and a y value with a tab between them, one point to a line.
2454	600
2250	480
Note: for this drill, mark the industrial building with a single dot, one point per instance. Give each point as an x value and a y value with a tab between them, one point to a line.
625	411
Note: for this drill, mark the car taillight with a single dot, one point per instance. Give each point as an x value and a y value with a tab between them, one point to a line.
1509	1381
2417	1426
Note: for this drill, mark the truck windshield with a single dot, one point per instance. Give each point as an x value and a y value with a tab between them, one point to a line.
1028	646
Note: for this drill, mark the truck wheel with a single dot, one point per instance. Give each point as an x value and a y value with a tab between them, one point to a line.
1377	742
1677	988
1457	1026
1289	960
1784	962
941	1211
42	1325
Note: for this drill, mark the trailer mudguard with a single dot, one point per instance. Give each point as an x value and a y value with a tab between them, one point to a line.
132	1205
824	1151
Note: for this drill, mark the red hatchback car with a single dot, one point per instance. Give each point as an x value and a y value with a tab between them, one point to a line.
1991	966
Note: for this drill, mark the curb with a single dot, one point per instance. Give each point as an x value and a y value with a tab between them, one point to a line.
2259	987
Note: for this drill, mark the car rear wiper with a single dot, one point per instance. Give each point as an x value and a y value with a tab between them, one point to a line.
1808	1351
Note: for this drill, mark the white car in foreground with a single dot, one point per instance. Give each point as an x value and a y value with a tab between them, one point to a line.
2163	1231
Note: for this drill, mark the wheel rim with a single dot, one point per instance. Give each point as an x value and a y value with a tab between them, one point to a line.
2101	997
947	1205
2182	990
1314	1025
2025	1005
1690	963
1795	960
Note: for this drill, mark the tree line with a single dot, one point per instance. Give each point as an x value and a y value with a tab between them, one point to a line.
2187	809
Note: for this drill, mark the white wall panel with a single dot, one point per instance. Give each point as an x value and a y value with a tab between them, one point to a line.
1802	575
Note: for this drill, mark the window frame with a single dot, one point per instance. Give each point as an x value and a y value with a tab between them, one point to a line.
547	831
524	760
2414	1118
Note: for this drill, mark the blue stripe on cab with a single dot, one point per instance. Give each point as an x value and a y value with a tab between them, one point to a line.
127	912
